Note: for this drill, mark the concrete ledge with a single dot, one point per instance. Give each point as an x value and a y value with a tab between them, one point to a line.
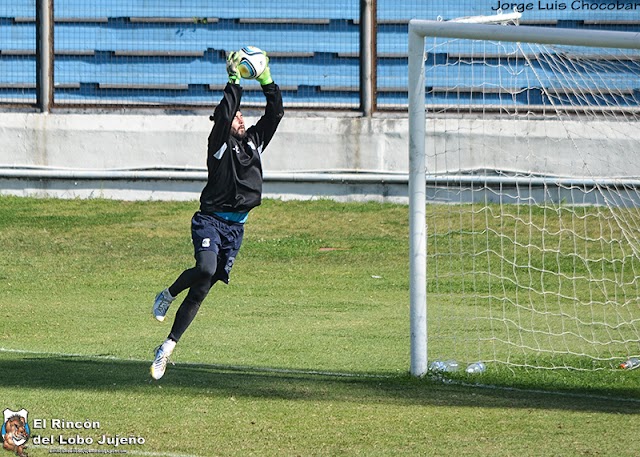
186	185
189	186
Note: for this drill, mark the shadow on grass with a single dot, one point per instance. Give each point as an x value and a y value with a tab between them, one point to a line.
97	374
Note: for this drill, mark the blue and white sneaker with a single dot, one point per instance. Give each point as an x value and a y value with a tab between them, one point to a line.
161	304
163	352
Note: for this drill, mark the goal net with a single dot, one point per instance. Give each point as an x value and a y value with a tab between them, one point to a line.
525	241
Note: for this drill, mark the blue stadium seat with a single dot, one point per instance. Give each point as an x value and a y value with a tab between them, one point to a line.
117	35
166	52
184	9
105	68
17	70
17	36
205	8
17	8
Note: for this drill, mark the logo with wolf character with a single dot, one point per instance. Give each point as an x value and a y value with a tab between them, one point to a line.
15	431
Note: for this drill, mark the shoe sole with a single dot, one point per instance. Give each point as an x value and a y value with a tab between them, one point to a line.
159	318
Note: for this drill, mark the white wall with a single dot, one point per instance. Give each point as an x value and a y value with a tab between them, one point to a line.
134	141
319	143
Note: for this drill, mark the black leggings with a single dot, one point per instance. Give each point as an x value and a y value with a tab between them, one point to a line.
199	281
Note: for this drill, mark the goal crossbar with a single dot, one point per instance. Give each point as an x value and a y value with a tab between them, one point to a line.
418	31
524	34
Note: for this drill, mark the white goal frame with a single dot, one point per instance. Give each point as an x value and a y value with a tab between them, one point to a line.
418	31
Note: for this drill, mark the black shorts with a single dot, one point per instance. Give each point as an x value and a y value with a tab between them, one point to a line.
224	238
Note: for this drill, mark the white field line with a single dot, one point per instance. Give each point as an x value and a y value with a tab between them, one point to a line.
319	373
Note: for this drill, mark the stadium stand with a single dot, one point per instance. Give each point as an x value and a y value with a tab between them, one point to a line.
140	52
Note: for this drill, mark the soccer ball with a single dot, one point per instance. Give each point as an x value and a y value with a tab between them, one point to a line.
252	62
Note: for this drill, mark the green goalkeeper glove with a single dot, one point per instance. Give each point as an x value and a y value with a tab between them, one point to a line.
265	76
233	59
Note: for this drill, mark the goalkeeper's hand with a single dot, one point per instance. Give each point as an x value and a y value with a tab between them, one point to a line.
233	59
265	76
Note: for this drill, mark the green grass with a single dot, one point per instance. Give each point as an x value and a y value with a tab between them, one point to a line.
305	353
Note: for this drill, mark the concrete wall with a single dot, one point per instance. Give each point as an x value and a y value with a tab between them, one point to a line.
135	141
308	158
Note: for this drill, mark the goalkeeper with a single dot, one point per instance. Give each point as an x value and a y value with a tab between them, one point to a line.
234	187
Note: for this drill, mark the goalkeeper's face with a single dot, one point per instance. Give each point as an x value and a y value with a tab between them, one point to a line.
238	129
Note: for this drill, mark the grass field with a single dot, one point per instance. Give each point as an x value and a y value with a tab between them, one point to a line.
305	353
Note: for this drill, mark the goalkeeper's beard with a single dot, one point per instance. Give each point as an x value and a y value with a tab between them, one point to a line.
239	135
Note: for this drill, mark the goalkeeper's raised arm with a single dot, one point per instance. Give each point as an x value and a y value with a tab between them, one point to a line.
265	128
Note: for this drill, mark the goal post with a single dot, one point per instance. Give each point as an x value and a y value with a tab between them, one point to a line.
418	227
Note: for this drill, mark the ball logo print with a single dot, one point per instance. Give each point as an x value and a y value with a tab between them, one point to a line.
15	431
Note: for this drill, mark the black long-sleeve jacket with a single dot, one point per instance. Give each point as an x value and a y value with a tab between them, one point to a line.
234	166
